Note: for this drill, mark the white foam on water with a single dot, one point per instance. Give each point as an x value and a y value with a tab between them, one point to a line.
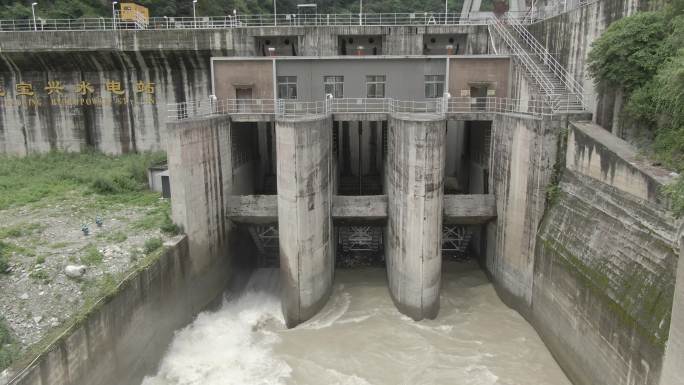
333	311
232	346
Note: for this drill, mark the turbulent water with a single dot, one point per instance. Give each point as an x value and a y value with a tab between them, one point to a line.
360	338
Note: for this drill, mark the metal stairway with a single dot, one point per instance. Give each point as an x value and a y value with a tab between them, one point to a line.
558	86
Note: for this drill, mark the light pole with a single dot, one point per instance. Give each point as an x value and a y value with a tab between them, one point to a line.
360	12
275	13
33	10
194	14
446	11
114	14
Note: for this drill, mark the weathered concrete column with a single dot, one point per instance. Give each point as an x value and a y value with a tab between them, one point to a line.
414	179
304	216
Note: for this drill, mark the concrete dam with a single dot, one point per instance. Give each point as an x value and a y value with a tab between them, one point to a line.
297	151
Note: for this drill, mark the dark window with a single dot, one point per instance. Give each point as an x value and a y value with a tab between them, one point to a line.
375	86
287	87
434	86
334	85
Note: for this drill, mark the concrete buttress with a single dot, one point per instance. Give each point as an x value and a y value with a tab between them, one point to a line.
304	215
414	180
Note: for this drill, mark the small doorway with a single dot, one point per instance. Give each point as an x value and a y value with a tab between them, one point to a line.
244	97
478	95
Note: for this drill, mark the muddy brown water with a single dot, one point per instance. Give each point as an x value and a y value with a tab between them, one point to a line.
360	338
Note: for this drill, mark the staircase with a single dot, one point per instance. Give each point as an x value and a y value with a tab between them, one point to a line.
558	86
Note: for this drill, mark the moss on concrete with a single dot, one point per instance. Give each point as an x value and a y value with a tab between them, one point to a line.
640	300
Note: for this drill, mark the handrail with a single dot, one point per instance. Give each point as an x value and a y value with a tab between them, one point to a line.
269	20
521	55
239	21
285	108
547	59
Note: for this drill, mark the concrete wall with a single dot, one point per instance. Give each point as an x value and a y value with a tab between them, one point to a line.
569	35
104	118
405	77
524	152
122	340
673	370
594	152
595	277
254	74
201	177
603	283
466	71
304	216
174	62
415	183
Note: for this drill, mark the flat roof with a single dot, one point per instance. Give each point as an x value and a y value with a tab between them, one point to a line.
361	57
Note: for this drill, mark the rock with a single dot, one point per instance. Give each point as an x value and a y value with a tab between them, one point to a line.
37	319
24	296
75	271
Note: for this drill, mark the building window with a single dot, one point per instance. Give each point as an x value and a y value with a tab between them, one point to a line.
375	86
334	85
434	86
287	87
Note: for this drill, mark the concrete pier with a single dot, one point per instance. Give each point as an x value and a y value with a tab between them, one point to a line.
304	215
414	180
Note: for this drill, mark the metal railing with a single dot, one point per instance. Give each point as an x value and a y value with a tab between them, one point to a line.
548	60
360	105
529	16
208	107
533	107
284	108
297	109
239	21
521	55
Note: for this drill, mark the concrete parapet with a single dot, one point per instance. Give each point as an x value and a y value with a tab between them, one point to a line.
414	180
596	153
304	215
469	209
365	208
253	208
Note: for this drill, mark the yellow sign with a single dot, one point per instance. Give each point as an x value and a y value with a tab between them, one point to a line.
54	86
25	89
54	90
142	87
84	88
114	87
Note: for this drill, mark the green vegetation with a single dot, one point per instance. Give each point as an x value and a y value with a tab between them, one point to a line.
4	258
54	176
61	9
92	256
643	55
8	349
152	245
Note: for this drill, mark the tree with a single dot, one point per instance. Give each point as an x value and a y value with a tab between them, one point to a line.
628	54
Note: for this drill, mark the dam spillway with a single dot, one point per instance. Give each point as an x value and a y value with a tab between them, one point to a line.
294	147
347	342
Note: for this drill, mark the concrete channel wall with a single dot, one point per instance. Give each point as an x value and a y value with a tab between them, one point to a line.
123	339
605	262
